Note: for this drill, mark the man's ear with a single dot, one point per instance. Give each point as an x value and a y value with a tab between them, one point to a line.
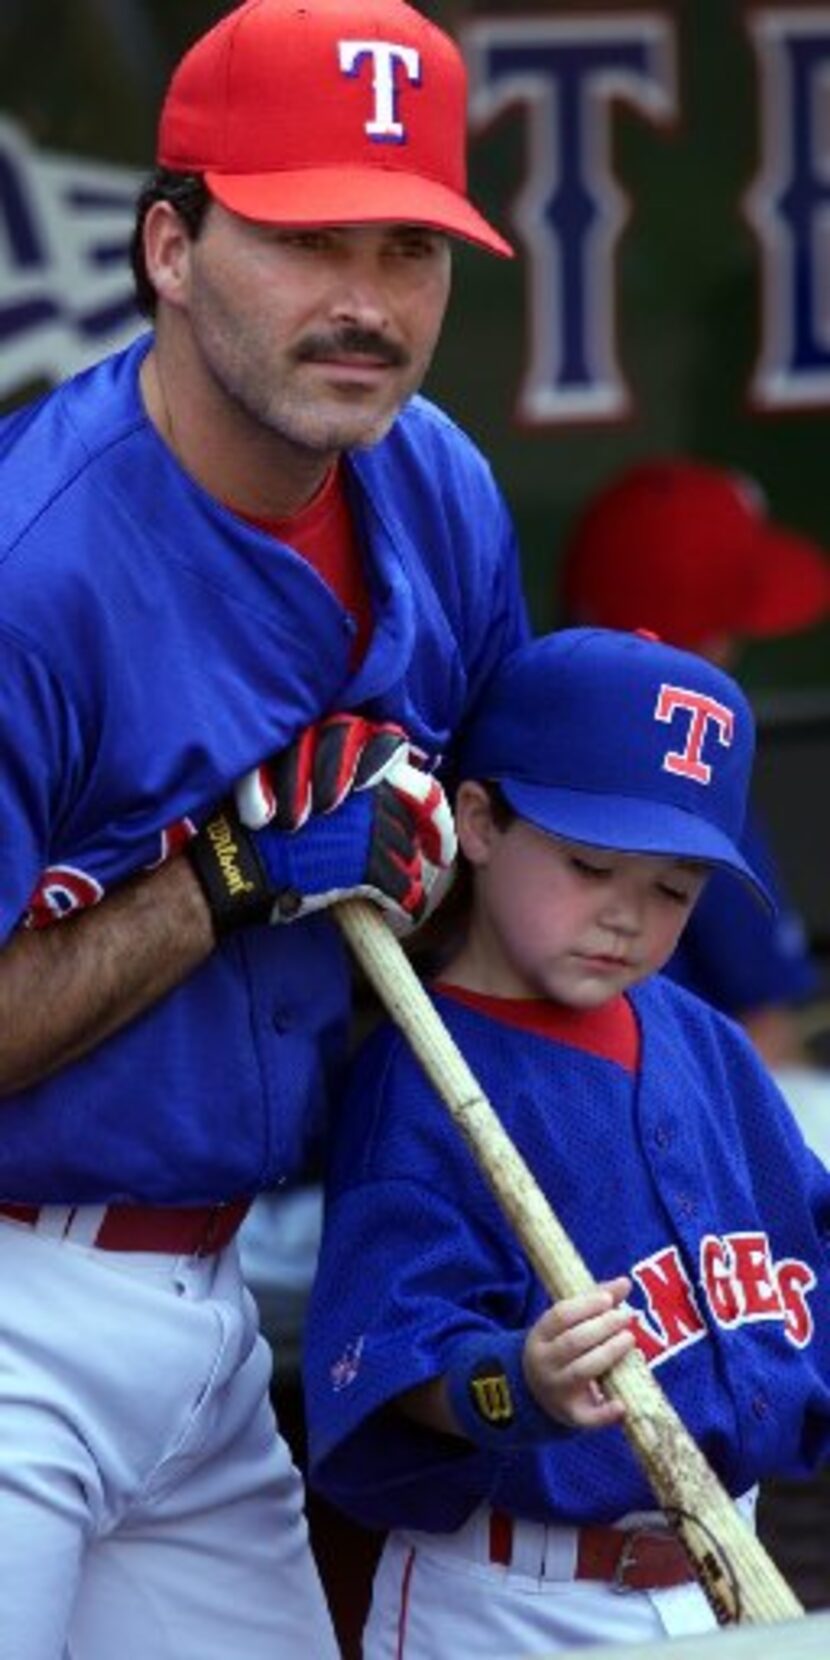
167	246
474	821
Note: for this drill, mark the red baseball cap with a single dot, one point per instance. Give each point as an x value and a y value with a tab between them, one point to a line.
686	549
328	112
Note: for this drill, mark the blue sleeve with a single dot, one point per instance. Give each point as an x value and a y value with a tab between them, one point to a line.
407	1264
40	748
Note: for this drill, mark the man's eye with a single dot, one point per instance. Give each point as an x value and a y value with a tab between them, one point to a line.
418	244
312	240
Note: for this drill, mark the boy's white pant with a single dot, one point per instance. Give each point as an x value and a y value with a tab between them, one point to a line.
148	1508
434	1601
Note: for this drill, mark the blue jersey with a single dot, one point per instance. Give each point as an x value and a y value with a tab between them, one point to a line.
681	1167
155	647
737	955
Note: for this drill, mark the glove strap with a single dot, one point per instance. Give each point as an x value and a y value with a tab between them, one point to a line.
230	872
490	1398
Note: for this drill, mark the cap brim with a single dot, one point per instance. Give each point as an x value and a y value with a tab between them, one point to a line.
791	587
354	196
627	824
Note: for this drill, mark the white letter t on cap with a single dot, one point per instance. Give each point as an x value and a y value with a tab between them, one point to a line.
384	57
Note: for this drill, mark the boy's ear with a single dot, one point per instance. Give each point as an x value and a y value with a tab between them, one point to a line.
474	822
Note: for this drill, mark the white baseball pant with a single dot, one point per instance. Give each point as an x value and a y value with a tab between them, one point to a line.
148	1506
438	1596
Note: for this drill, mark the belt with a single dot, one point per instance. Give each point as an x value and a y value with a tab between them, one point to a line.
186	1231
629	1559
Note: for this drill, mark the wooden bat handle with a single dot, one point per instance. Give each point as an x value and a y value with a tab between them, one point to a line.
740	1580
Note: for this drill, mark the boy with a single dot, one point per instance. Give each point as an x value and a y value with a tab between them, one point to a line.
604	775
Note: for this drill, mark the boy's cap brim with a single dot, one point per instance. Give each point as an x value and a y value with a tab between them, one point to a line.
623	824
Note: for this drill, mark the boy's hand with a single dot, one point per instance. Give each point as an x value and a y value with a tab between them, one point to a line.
571	1346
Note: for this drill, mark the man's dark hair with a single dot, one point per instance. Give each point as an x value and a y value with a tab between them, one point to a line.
189	195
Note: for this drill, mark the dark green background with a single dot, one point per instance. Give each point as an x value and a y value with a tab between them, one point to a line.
86	77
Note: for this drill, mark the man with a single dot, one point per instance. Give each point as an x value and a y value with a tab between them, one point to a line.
243	538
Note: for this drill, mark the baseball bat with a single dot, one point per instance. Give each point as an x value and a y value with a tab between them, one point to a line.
741	1581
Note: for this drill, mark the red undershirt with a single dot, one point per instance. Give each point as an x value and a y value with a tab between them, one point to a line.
610	1031
323	532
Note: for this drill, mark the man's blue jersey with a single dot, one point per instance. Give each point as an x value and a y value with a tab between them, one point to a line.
155	647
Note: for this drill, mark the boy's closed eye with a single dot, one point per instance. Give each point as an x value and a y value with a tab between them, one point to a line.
589	868
682	895
681	881
685	883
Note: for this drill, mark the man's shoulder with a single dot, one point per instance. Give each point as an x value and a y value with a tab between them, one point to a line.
430	431
422	412
51	444
430	471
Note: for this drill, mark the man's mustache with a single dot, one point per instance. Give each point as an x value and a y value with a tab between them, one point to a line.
352	342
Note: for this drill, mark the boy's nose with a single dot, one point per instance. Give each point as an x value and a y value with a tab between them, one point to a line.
623	913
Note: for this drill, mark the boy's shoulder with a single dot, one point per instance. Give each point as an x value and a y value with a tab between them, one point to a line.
662	998
702	1055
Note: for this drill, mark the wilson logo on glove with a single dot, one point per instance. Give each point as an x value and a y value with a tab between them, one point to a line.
230	854
388	841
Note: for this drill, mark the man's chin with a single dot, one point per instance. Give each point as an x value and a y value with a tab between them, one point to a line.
361	433
332	437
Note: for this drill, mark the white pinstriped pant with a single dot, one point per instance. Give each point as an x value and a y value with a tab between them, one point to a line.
148	1508
438	1596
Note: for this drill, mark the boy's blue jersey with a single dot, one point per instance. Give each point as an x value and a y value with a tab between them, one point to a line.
683	1169
155	647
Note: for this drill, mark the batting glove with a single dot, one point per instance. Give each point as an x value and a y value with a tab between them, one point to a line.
391	843
319	770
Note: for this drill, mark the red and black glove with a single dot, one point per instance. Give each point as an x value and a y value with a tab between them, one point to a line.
389	841
316	772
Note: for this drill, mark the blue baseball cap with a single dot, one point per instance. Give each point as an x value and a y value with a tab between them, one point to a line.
619	741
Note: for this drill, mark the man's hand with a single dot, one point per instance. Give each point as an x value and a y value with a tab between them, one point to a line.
388	841
319	770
